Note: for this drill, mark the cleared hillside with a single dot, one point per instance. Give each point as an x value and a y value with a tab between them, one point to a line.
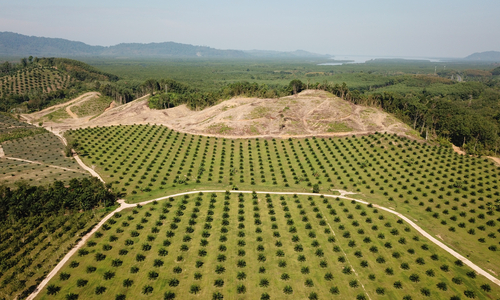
309	113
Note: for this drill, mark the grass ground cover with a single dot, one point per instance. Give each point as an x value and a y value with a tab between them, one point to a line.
92	107
451	196
31	247
45	149
250	246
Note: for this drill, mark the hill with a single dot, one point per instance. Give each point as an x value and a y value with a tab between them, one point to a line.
14	44
485	56
37	82
309	113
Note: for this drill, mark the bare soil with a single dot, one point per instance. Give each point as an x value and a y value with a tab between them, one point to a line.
310	113
34	117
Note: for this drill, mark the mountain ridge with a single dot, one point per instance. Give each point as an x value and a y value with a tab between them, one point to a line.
484	56
15	44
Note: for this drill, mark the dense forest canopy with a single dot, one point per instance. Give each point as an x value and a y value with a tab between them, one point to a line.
55	199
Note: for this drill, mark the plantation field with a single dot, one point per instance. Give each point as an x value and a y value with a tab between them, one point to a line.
30	248
11	128
453	197
38	160
39	79
255	246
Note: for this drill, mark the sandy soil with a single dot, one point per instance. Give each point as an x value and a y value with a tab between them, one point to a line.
111	106
458	150
496	160
310	113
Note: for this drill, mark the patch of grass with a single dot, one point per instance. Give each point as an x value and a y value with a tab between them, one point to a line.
219	128
338	127
57	115
91	107
259	112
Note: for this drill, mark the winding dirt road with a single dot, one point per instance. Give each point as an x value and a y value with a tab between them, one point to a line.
342	195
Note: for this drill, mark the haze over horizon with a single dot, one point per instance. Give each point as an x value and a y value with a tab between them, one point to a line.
385	28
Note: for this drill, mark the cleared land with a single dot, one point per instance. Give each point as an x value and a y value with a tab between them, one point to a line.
307	114
59	112
283	246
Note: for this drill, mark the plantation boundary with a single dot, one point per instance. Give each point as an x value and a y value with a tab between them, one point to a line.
124	205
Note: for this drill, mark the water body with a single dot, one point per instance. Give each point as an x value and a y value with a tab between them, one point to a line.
361	59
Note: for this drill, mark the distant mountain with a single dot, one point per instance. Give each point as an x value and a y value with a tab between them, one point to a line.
14	44
485	56
279	54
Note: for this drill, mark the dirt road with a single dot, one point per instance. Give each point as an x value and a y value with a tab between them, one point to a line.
37	115
124	205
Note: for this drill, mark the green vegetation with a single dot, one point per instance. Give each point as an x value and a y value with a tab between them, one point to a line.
338	127
11	129
36	83
458	102
269	246
39	159
40	224
31	247
454	196
92	107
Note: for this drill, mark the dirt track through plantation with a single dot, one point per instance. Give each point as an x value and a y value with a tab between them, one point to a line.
124	205
32	118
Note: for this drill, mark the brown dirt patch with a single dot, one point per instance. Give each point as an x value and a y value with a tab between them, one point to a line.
310	113
458	150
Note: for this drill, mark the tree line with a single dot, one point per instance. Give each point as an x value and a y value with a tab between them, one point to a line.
464	113
56	198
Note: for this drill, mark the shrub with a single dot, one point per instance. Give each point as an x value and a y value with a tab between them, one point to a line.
147	289
169	295
53	289
128	282
100	290
194	289
288	290
81	282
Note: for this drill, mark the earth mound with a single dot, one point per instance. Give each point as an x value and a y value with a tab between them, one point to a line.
309	113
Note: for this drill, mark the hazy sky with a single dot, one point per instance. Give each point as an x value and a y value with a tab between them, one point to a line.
424	28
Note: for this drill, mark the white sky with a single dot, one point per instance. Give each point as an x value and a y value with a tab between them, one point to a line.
424	28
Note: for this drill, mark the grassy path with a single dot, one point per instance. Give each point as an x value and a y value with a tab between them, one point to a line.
342	195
